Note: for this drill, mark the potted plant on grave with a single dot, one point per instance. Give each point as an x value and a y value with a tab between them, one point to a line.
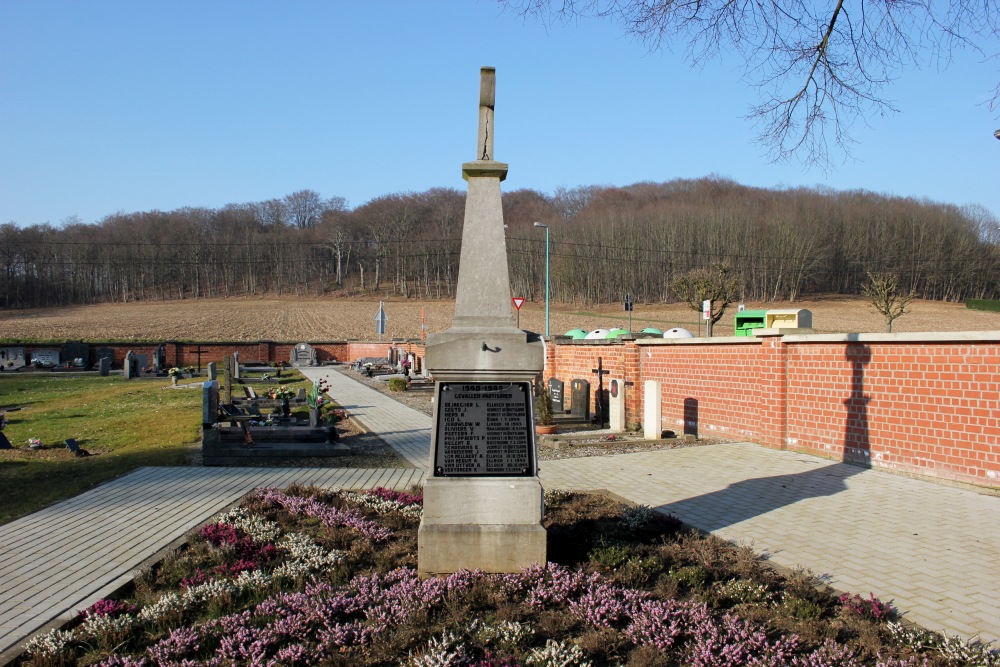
544	423
316	399
283	394
175	375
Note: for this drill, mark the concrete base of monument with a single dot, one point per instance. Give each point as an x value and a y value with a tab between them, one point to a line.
491	524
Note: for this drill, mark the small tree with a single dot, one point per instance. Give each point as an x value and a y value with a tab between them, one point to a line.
883	292
716	284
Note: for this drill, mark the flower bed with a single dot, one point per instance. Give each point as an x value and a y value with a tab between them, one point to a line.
305	576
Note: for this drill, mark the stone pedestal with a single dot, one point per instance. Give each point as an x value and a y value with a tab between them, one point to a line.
487	524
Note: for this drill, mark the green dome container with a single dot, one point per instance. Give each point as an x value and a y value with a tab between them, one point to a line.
617	333
652	330
576	334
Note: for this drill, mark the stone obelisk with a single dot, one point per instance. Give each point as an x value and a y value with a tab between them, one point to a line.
483	499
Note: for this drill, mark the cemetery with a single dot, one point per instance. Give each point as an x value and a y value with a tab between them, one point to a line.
479	564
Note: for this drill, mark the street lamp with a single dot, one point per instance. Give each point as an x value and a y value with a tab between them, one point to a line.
546	228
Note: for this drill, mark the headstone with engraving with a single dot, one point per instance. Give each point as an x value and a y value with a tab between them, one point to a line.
556	396
141	363
212	372
483	498
303	354
12	358
104	366
45	358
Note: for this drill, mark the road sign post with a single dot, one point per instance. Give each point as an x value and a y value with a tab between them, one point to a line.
518	302
380	320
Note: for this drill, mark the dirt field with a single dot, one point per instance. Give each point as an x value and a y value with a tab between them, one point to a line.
311	319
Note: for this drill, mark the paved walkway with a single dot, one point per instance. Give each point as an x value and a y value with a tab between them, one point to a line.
933	550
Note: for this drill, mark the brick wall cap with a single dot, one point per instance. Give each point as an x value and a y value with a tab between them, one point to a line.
907	337
715	340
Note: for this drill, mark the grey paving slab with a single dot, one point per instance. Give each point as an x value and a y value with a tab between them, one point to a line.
406	430
862	530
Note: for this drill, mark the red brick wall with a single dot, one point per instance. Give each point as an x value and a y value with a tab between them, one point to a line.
927	404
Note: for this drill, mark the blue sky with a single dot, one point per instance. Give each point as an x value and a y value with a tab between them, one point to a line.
124	105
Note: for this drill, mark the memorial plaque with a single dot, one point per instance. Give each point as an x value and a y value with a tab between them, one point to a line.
556	388
484	430
580	403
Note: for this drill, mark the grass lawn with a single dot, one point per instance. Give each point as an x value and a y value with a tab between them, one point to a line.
124	424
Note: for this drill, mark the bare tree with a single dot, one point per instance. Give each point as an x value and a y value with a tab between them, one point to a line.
716	285
818	66
885	296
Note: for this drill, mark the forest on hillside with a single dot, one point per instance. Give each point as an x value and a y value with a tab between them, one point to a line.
604	242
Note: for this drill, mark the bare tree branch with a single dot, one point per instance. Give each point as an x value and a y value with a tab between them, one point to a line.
819	69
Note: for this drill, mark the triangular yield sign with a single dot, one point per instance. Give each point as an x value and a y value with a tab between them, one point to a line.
518	301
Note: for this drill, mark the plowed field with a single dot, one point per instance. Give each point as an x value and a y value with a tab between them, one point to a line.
313	319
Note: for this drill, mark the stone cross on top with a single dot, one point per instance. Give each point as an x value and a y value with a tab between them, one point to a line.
487	100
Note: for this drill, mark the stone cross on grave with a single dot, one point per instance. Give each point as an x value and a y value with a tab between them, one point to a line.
483	498
198	352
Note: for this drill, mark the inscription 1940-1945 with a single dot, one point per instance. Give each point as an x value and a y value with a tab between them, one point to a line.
484	429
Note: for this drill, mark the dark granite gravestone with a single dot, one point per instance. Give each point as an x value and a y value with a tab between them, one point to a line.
106	353
303	354
556	396
580	405
76	354
4	442
209	403
128	367
104	366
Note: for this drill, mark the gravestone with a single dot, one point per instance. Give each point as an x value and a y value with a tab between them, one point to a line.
4	442
652	411
483	498
616	406
106	353
160	359
209	403
104	366
141	363
211	371
12	358
129	367
579	405
75	354
45	358
303	354
556	387
235	366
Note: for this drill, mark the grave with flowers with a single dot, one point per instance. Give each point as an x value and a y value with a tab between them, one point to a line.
234	435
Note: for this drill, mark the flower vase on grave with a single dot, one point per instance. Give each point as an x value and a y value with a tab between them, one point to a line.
286	409
174	379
